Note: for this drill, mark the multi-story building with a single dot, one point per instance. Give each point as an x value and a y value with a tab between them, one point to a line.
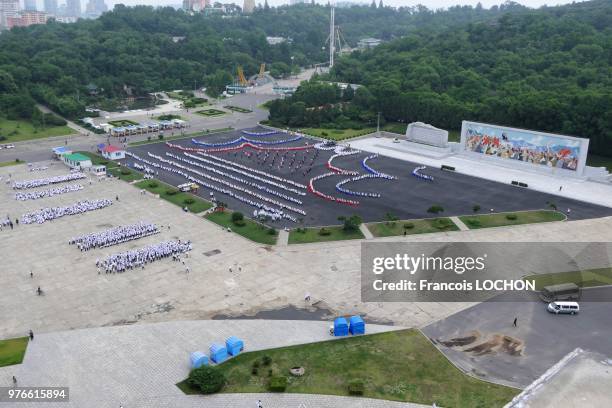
8	8
51	7
195	5
294	2
95	8
27	18
73	8
29	5
249	6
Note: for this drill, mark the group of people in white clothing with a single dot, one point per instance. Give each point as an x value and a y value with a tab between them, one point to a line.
48	214
138	258
22	185
114	236
35	195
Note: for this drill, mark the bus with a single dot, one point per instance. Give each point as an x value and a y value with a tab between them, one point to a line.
562	291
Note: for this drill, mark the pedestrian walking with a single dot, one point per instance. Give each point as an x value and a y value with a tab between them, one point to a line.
31	275
39	291
14	381
560	188
514	323
31	334
259	404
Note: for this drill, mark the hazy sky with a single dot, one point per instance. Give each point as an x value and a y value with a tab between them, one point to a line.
434	4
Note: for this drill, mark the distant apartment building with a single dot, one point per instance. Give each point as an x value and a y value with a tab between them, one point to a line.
195	5
27	18
29	5
73	8
51	7
95	8
249	6
8	8
275	40
367	43
294	2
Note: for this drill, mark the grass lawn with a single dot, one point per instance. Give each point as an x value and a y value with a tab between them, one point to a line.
185	136
20	130
337	134
129	177
503	219
336	233
238	109
12	351
584	279
122	122
210	112
11	163
389	229
97	160
158	187
400	365
395	127
599	161
251	229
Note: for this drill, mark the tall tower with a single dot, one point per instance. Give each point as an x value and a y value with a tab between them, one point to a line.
51	7
249	6
29	5
332	37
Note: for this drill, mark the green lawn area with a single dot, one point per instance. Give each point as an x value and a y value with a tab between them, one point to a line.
515	218
584	279
210	112
336	233
122	122
411	227
97	160
238	109
395	127
337	134
12	351
20	130
251	229
129	177
599	161
11	163
184	136
158	187
454	135
398	365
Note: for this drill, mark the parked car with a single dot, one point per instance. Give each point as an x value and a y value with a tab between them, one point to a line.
563	307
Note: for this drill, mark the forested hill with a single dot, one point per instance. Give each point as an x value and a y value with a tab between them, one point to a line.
547	69
53	63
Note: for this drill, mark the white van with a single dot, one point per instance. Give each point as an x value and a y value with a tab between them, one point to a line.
563	307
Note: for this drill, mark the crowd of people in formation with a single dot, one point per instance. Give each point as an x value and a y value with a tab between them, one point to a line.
114	236
49	214
238	179
341	153
264	133
138	258
243	139
177	168
251	172
22	185
417	173
340	186
370	170
35	195
41	168
328	197
6	223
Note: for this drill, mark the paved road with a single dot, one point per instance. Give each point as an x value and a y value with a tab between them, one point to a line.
547	337
138	365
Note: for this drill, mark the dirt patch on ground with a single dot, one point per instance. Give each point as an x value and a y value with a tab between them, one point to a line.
480	344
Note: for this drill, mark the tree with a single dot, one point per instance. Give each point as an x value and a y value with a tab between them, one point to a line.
476	208
207	379
435	209
350	224
237	217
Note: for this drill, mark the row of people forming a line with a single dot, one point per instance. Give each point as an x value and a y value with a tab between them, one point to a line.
138	258
49	214
35	195
114	236
21	185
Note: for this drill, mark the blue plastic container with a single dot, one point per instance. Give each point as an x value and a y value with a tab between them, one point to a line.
356	325
218	353
198	359
340	327
234	345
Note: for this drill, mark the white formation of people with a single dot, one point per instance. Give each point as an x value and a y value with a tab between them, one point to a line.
35	195
49	214
138	258
114	236
22	185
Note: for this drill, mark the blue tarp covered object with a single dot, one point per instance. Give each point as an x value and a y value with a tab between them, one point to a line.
234	345
218	353
340	327
357	325
198	359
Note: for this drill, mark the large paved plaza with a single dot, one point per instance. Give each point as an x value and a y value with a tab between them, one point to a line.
407	197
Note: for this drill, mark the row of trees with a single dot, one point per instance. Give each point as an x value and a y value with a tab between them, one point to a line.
545	69
137	50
